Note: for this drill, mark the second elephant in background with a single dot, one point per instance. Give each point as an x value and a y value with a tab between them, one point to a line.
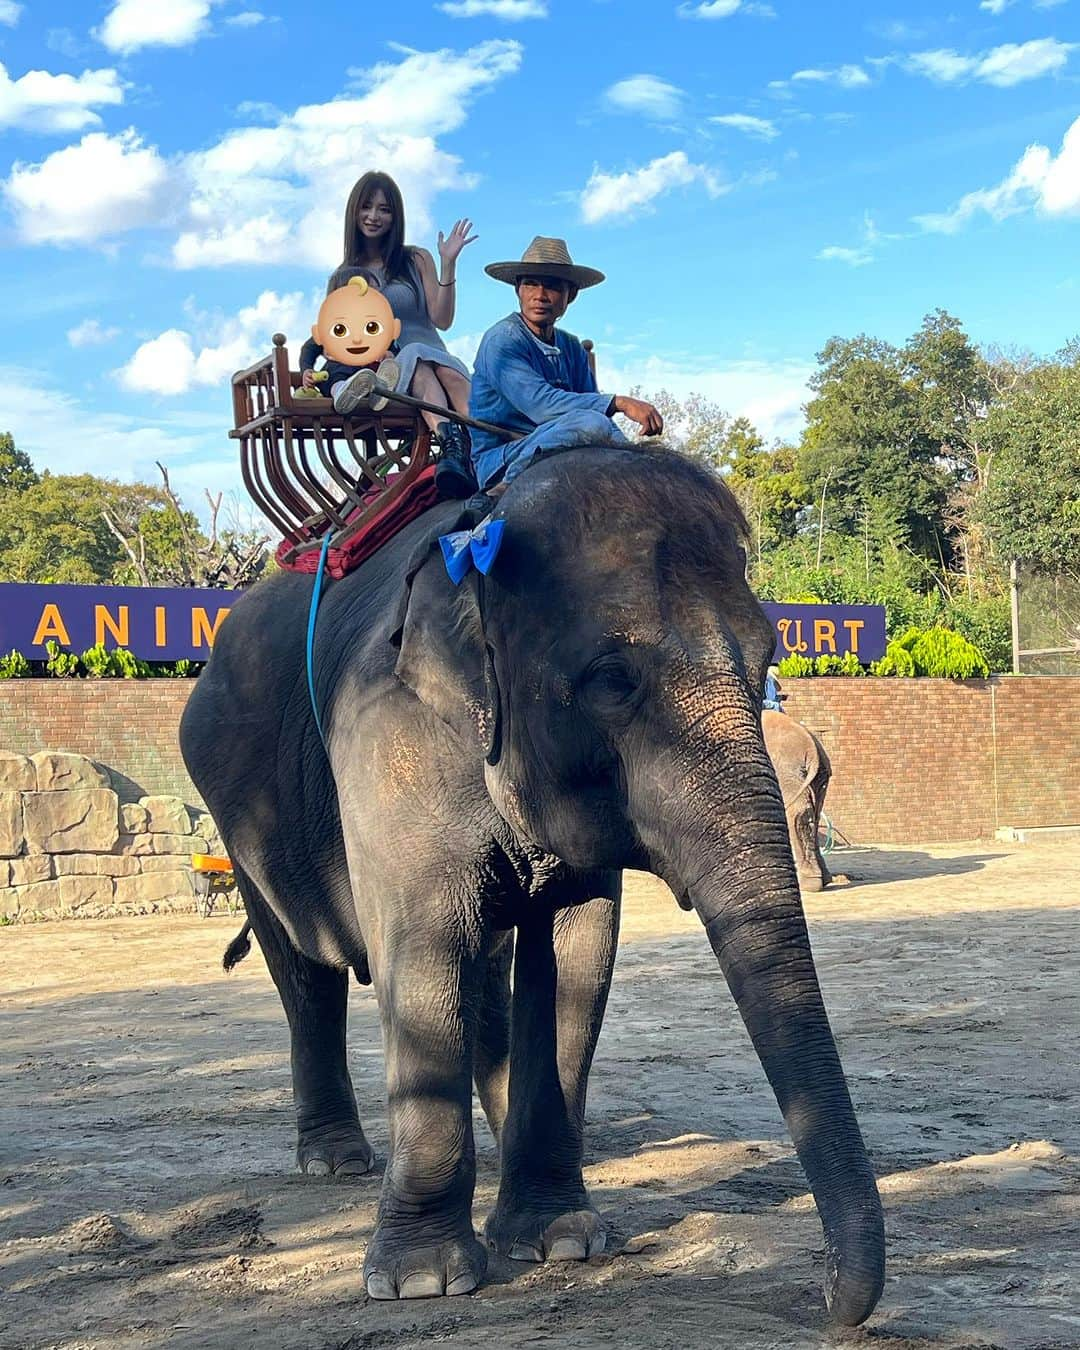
803	770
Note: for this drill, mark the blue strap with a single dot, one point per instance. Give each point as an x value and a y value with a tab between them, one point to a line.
313	614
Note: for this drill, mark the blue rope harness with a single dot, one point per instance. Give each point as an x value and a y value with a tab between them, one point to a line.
313	614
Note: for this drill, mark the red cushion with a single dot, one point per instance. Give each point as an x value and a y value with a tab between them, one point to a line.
413	502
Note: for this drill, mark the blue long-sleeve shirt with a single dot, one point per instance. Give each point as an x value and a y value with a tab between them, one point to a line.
520	382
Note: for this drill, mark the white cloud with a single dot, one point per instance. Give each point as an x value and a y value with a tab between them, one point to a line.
847	77
1040	181
177	360
771	394
724	9
9	13
133	24
275	193
39	101
633	193
999	6
510	10
269	194
861	254
761	127
647	94
247	18
1012	63
58	433
91	333
90	191
854	257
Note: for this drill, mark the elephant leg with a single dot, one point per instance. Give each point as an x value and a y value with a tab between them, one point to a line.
818	788
562	974
330	1139
429	964
491	1059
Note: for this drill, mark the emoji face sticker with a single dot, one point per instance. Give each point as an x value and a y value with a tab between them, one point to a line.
356	325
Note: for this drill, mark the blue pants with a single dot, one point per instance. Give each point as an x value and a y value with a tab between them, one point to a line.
562	433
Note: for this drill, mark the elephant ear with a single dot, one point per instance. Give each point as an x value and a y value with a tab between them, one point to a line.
443	655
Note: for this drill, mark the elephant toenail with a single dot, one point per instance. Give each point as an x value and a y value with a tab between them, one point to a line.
525	1251
354	1167
424	1284
381	1286
567	1249
462	1284
317	1167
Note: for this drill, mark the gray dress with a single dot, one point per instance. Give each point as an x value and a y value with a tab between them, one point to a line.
419	340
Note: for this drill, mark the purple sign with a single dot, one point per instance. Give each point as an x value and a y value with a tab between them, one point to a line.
156	623
160	624
827	630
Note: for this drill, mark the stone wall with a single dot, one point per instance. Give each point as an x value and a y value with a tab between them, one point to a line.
69	845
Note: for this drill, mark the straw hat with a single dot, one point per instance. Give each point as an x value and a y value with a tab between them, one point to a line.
547	258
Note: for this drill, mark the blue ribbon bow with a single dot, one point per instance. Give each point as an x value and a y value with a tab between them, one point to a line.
477	548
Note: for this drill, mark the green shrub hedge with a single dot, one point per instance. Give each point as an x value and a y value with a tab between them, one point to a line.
96	663
938	652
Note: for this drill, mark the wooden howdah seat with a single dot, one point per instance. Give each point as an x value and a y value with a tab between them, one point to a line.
310	470
313	472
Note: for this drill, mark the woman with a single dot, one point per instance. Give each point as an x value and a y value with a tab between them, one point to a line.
423	300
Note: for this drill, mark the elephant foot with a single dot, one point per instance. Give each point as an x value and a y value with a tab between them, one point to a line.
339	1151
404	1263
553	1232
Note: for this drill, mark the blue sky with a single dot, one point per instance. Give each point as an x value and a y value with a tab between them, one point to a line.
753	178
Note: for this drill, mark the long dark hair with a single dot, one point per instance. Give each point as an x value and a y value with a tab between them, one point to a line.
396	253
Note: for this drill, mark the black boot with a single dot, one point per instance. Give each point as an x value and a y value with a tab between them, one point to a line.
454	477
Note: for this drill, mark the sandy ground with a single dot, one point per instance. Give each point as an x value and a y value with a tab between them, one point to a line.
147	1196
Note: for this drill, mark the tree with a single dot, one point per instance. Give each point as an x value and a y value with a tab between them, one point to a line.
867	442
80	529
55	529
769	486
957	386
16	470
164	546
1031	506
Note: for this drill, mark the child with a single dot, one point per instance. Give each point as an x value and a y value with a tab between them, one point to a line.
356	329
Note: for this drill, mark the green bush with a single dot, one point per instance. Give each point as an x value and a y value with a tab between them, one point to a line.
96	663
795	666
129	666
182	669
14	666
944	654
938	652
896	661
63	665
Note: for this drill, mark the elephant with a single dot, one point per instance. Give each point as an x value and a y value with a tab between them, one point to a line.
487	759
803	771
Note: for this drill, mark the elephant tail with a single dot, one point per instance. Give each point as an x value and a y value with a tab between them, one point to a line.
238	948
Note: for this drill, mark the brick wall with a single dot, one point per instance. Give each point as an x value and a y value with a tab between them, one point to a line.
914	761
925	761
130	726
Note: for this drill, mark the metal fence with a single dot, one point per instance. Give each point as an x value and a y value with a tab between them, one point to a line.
1045	621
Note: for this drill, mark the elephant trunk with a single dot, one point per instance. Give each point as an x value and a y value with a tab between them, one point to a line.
727	851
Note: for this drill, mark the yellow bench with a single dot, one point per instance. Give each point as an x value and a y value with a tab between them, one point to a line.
214	876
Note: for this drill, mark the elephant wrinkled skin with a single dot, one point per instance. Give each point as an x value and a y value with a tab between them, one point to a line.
495	754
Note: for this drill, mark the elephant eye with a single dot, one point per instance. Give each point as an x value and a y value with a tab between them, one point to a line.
611	679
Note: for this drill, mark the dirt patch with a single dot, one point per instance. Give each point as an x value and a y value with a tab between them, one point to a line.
147	1196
